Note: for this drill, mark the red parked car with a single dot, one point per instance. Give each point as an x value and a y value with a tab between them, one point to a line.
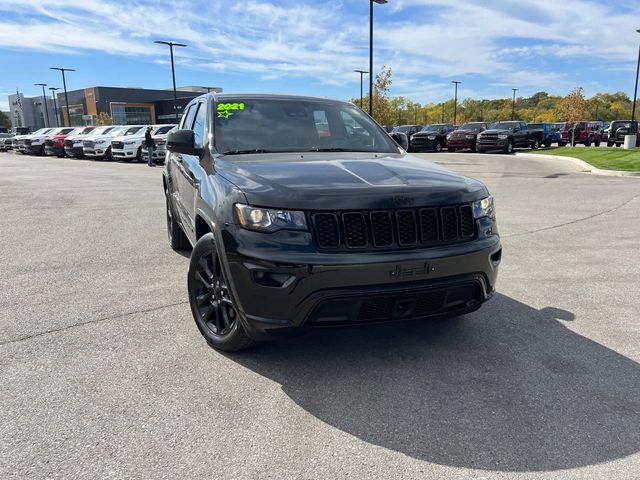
465	136
54	144
586	133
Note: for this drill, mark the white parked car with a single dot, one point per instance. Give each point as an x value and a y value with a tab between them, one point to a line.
97	143
5	142
73	143
160	140
127	146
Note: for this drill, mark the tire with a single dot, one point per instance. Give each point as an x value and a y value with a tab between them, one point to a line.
618	144
176	236
437	147
587	142
211	300
509	147
450	149
139	154
108	155
547	143
562	143
480	150
597	143
535	145
609	144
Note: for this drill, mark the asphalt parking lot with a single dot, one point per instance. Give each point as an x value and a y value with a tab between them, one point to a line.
103	373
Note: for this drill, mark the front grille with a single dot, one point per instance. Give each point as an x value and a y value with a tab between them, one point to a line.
385	229
489	136
118	145
88	144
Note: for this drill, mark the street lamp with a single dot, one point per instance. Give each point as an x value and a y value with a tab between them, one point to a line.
55	105
513	104
442	121
371	2
44	97
361	72
173	73
635	93
455	101
64	84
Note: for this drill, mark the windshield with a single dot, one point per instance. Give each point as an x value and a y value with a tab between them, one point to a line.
402	129
164	129
432	128
131	131
471	126
296	125
42	131
505	125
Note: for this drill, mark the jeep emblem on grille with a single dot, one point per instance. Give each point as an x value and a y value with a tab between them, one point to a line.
402	201
418	271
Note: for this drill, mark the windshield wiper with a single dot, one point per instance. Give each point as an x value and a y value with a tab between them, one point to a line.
335	149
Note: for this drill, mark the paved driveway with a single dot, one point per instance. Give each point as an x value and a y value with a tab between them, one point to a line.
104	375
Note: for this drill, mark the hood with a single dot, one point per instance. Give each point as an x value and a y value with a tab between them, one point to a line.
497	131
78	137
127	138
466	132
424	134
314	181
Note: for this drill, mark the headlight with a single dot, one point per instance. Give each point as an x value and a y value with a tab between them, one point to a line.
431	137
484	208
99	142
267	220
130	142
503	137
470	137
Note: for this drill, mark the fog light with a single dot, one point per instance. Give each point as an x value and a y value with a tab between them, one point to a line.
272	279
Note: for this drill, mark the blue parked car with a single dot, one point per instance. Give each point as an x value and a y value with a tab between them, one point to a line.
546	133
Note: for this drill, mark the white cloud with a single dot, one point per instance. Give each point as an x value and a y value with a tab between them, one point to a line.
505	43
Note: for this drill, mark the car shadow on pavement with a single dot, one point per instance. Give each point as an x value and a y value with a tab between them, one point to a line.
507	388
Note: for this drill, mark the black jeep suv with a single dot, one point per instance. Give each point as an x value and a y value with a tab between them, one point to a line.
304	212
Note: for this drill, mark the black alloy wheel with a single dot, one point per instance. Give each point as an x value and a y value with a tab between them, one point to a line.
509	147
212	303
437	147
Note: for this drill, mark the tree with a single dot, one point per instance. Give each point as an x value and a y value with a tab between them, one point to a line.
104	119
5	121
572	109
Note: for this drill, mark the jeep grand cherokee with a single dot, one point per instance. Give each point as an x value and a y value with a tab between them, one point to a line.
299	219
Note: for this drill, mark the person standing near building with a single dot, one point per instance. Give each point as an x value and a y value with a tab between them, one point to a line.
148	140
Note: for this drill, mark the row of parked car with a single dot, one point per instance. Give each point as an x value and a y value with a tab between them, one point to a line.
482	136
113	142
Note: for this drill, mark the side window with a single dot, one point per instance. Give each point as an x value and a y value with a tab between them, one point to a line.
321	122
187	118
198	126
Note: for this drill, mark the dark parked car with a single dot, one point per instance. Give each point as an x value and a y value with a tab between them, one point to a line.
546	133
432	137
618	129
586	133
506	136
408	130
292	228
465	136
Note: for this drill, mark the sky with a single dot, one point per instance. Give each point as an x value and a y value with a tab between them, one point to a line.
311	47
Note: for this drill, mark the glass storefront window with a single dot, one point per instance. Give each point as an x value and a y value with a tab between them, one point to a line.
131	115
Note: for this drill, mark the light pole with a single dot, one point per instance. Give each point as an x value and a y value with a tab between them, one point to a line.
173	73
371	2
455	101
361	72
635	93
44	97
64	84
513	104
55	105
442	121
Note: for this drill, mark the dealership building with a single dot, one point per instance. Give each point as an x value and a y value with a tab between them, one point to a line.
125	106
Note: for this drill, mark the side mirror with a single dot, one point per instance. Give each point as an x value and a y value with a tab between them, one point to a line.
182	141
401	139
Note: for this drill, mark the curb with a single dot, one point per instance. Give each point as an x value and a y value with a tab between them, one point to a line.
587	167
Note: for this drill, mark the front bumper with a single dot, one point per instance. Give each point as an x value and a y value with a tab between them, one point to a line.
158	153
491	144
461	142
52	150
73	151
94	152
277	295
124	153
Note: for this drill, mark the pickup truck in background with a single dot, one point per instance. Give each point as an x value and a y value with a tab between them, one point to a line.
586	133
546	133
54	144
73	142
506	136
